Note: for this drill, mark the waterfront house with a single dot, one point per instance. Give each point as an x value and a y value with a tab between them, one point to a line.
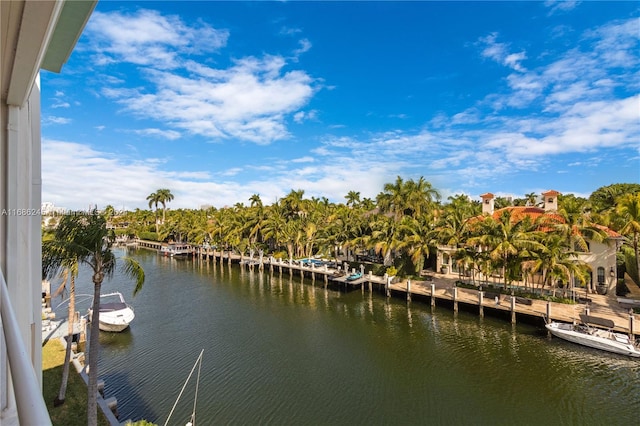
35	35
600	256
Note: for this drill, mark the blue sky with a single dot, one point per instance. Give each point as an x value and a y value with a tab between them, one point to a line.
221	100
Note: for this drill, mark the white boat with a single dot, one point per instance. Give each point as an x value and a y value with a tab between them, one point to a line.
176	250
585	334
115	314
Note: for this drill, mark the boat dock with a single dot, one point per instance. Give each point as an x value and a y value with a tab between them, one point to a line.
437	290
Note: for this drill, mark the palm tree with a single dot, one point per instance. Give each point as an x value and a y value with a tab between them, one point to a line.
164	196
420	196
154	199
353	198
69	273
417	239
87	239
384	238
393	198
504	240
629	209
531	199
294	204
576	225
255	201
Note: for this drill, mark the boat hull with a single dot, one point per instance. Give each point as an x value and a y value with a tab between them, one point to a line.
116	321
594	338
114	316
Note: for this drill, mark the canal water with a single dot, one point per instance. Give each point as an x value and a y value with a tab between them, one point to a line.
286	351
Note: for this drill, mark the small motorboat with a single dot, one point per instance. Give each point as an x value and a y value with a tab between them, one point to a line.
354	276
587	335
115	314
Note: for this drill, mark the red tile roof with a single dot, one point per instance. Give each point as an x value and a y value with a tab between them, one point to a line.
551	218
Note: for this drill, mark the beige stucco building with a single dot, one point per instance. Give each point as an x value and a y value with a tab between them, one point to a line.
600	256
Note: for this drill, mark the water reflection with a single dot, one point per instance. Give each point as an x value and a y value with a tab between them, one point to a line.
285	350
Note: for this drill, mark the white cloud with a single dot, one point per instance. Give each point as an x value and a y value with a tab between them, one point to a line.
52	119
167	134
248	101
302	116
499	52
577	102
148	38
306	159
290	31
561	5
305	46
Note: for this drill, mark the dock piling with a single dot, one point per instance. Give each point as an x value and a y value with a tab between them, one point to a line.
455	299
433	295
480	299
548	311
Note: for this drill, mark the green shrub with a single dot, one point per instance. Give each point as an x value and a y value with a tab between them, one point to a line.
149	236
621	288
281	255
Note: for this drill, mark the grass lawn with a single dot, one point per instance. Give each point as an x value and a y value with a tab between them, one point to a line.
74	410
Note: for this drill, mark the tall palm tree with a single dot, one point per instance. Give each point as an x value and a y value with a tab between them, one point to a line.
164	196
420	196
154	200
353	198
504	240
393	198
531	199
255	201
69	273
629	209
384	238
417	238
87	239
576	225
294	204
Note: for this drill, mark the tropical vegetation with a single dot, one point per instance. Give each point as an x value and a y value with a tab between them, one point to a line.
84	239
403	227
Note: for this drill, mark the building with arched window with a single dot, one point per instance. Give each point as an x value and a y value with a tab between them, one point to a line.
600	256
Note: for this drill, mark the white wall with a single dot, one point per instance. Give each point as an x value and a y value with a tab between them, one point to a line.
20	232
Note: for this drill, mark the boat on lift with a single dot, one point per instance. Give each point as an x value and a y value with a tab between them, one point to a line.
115	314
587	334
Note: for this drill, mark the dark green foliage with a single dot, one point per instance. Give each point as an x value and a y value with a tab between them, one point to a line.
631	265
621	288
148	236
604	198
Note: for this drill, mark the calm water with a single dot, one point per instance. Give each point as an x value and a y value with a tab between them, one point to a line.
285	351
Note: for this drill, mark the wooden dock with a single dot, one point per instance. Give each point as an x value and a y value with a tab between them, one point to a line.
436	290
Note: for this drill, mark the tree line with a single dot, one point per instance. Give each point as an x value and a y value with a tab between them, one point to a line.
403	226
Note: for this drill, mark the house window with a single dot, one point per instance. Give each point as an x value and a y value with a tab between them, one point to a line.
550	200
582	249
600	275
486	201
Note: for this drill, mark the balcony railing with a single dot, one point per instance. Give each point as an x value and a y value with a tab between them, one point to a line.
28	395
